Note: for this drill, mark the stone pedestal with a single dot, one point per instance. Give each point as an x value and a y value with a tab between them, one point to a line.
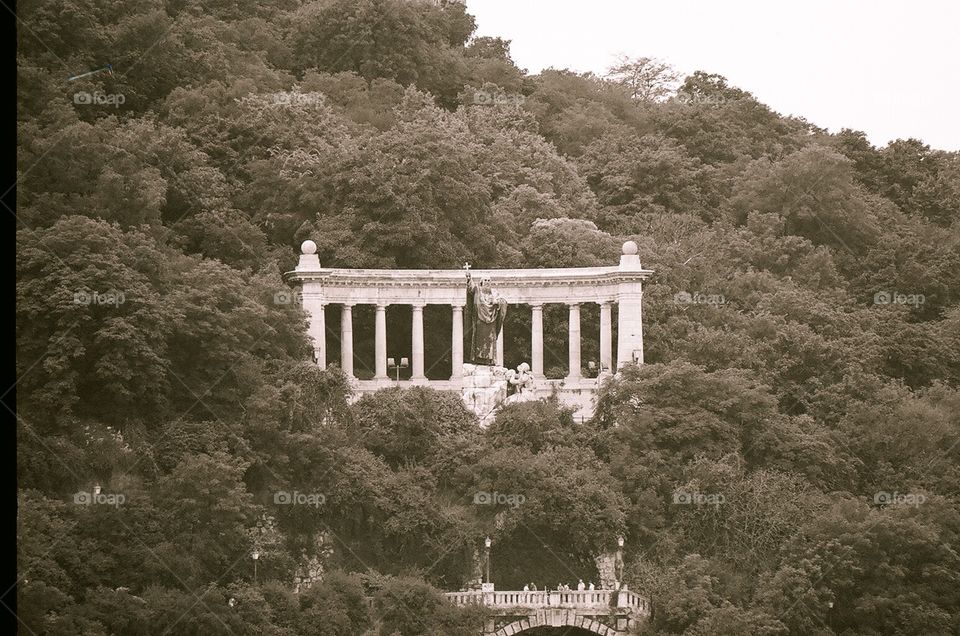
484	389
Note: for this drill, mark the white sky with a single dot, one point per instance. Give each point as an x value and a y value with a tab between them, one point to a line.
890	69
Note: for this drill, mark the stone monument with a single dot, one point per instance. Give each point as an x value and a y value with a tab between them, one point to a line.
476	323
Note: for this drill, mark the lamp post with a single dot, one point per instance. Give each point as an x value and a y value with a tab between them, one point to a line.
487	543
392	364
255	555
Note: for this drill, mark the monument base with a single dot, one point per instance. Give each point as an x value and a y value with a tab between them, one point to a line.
484	389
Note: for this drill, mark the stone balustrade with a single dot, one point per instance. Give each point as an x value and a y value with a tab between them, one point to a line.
564	599
601	612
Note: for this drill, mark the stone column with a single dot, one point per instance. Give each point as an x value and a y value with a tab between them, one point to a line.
629	319
319	335
346	339
536	340
311	295
499	359
606	336
416	331
456	343
574	323
381	343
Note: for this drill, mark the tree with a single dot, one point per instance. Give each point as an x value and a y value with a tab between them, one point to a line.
409	607
552	511
720	124
681	410
335	606
750	517
412	43
635	176
645	79
814	191
91	308
568	243
205	510
921	181
533	426
488	60
683	594
405	426
869	560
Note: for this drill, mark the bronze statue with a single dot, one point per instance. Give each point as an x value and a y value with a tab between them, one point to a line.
486	310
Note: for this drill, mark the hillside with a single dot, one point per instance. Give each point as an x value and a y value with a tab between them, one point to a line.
815	395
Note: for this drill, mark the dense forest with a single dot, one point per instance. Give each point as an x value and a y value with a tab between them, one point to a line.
802	334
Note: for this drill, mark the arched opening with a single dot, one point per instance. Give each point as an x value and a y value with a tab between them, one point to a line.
558	631
596	629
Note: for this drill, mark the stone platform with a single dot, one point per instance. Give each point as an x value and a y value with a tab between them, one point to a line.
576	393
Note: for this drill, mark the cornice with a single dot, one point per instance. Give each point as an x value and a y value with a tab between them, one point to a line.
447	279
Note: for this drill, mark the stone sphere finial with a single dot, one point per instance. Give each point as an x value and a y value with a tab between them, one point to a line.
630	248
308	247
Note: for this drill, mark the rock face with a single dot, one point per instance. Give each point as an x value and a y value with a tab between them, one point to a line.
607	567
310	569
484	389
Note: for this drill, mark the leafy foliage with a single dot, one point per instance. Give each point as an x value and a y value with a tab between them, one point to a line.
786	462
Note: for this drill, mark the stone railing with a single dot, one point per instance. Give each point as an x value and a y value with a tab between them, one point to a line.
569	599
